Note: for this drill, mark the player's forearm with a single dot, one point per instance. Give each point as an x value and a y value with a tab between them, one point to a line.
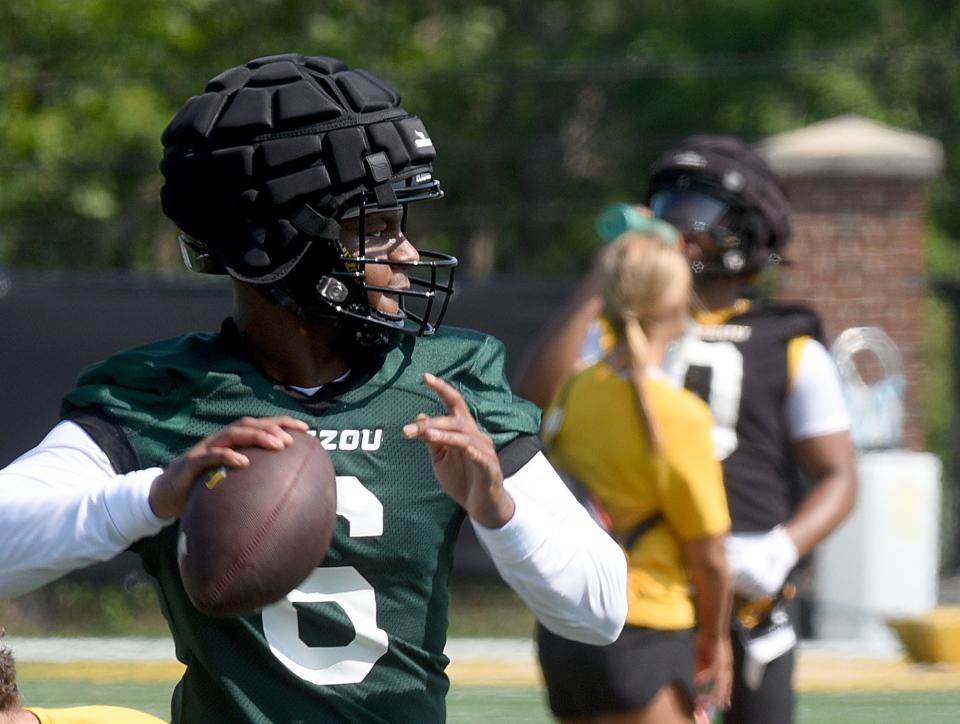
830	501
830	462
712	603
712	588
571	574
554	355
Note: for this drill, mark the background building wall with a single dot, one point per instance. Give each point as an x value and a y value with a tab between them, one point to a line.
860	195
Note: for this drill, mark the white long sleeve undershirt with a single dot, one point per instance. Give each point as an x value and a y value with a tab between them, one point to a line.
63	507
570	572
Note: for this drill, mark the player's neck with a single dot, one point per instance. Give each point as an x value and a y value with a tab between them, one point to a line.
285	347
719	292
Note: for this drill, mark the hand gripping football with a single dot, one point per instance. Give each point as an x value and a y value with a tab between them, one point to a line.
249	535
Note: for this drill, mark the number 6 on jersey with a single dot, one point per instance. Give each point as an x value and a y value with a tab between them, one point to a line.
330	665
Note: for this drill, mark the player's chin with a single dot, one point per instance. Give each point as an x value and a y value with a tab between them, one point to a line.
387	306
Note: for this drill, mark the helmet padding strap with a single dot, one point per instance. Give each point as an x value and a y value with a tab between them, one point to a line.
315	225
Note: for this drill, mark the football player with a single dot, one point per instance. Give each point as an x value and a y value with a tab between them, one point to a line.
780	425
293	175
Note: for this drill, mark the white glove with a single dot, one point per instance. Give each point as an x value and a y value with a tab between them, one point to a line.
759	562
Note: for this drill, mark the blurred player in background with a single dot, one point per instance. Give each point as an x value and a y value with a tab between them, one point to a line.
293	175
12	710
641	448
780	425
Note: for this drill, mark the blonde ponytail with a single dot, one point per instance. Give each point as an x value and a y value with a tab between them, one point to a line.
639	270
638	351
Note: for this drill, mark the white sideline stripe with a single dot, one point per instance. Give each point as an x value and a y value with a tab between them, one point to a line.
90	649
154	649
458	649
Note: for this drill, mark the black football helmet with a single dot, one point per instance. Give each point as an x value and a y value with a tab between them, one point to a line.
261	169
725	200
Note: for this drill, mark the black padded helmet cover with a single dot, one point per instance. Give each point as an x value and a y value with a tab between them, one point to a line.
270	155
733	171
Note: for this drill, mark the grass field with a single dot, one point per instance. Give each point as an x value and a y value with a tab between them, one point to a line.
473	705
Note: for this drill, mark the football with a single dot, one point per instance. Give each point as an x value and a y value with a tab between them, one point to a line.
248	536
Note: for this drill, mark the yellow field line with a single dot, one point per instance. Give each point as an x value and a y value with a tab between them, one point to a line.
815	673
101	671
825	673
494	672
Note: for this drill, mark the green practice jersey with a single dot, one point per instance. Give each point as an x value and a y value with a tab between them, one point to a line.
362	639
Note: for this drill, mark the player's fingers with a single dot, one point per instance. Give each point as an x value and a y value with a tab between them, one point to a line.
272	421
722	690
277	426
460	441
197	461
169	491
484	458
448	394
220	456
248	437
416	426
239	435
274	424
422	423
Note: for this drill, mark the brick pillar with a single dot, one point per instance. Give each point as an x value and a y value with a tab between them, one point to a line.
859	191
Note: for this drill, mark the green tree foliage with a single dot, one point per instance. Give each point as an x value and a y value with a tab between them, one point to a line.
541	112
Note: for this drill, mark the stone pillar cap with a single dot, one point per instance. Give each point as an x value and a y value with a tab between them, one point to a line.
852	145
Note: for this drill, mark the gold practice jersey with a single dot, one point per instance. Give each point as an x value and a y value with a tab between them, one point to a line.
596	434
93	715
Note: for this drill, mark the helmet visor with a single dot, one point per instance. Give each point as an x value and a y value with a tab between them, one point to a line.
706	223
687	209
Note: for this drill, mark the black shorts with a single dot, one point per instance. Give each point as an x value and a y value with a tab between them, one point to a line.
773	701
584	680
